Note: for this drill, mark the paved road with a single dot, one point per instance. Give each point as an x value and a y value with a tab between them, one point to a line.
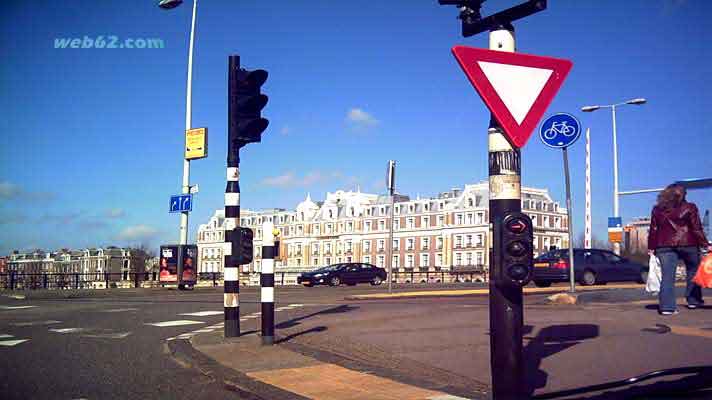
114	347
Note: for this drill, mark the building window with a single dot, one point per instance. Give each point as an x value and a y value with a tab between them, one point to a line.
349	226
441	220
410	223
470	219
480	218
366	246
546	221
396	224
381	244
381	261
480	240
480	258
367	259
315	261
396	261
458	219
458	259
396	210
315	249
426	206
327	250
409	261
396	244
557	222
470	202
425	243
329	228
439	260
367	226
426	221
409	244
411	208
349	246
468	240
469	259
439	243
327	260
425	260
458	241
382	225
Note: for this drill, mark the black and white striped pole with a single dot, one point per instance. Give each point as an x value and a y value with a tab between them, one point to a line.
267	283
232	216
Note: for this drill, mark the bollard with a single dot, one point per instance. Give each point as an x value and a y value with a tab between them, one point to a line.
135	279
45	281
106	280
76	281
12	280
267	282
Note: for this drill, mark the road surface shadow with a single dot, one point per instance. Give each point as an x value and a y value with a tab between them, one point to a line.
548	341
293	335
334	310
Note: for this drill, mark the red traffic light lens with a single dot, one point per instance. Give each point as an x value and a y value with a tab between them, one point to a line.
517	226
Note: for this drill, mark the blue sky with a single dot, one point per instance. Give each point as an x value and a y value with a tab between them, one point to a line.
93	138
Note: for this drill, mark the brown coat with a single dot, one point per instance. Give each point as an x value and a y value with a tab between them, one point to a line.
676	227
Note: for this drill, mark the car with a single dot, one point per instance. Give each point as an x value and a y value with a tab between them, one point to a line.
591	266
348	273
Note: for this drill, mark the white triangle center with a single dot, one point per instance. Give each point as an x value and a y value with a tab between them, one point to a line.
517	86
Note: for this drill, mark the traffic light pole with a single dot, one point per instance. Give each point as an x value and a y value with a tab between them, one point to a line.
231	296
506	310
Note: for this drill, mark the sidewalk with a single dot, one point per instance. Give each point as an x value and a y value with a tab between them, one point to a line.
438	348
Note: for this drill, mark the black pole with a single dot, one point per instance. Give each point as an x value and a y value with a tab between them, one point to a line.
506	311
232	209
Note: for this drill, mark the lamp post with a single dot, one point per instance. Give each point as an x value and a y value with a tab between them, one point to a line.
167	5
616	212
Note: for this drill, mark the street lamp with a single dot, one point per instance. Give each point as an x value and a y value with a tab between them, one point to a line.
167	5
636	101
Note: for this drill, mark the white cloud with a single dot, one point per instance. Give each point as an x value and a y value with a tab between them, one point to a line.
137	233
290	179
115	213
9	190
358	118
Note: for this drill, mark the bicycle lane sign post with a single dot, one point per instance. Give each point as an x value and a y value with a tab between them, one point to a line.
560	131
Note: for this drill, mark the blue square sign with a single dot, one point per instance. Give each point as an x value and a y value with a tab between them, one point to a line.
615	222
181	203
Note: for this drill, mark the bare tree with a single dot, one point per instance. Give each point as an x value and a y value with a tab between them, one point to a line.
596	243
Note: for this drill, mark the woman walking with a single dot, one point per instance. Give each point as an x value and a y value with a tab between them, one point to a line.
676	234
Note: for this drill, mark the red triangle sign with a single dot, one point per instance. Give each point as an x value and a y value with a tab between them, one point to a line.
517	88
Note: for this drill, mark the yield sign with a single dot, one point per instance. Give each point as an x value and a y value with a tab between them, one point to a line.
517	88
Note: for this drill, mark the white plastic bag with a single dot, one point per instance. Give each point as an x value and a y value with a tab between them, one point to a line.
654	275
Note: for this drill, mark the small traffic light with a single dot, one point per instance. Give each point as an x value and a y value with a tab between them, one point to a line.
242	247
245	104
514	247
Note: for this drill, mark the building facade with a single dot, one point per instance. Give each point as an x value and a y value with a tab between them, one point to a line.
443	237
635	235
91	263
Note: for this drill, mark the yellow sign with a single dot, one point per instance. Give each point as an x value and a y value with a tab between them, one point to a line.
196	143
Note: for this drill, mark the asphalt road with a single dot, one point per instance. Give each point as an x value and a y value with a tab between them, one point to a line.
105	348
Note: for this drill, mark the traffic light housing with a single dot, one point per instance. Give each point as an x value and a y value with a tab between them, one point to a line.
242	247
513	250
245	104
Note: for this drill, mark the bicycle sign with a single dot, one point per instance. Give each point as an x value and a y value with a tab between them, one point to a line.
560	130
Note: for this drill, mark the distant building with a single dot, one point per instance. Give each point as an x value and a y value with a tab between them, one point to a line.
635	235
706	225
91	263
442	234
3	265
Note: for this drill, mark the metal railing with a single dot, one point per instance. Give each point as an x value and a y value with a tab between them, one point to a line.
442	276
74	280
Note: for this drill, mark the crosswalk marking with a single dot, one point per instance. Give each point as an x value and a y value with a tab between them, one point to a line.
175	323
66	330
34	323
115	310
15	307
203	313
12	342
5	336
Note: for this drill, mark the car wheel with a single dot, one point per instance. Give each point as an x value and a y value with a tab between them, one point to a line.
643	277
376	281
335	281
542	284
589	278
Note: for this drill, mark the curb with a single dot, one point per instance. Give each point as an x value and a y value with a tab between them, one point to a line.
247	388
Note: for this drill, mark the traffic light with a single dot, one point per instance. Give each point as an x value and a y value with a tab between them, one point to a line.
514	246
242	247
245	104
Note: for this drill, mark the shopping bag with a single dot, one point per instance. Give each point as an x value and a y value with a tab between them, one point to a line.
703	277
655	275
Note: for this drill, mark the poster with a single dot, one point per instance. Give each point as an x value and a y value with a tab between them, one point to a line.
189	260
168	267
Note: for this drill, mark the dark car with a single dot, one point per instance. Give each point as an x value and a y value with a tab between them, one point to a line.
591	266
348	273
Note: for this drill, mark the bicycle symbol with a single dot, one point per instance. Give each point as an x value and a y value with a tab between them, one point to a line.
559	128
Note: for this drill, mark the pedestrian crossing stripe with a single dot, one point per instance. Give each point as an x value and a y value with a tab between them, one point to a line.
5	336
9	343
66	330
204	313
175	323
15	307
34	323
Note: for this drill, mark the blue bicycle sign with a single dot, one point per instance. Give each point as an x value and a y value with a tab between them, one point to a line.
560	130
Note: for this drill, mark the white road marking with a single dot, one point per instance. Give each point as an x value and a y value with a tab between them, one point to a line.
296	305
118	335
113	310
15	307
204	313
66	330
203	331
175	323
446	397
5	336
34	323
8	343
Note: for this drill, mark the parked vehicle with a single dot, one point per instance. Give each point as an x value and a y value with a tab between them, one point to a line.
591	266
348	273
